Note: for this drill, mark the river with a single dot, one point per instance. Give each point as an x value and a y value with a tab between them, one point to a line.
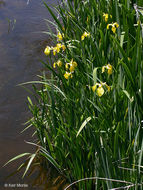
21	48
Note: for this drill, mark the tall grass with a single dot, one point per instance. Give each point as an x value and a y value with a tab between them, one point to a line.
89	113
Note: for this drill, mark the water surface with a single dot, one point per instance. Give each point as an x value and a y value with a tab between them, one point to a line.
21	48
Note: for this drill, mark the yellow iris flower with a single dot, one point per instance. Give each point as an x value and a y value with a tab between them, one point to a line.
106	16
55	50
109	69
73	63
71	66
60	36
67	75
114	26
100	90
58	48
84	35
58	63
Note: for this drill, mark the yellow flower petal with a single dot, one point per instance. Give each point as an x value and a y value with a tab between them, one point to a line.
74	64
86	34
94	88
59	36
59	45
47	50
108	26
63	47
100	91
54	65
113	29
110	69
82	37
116	24
108	87
67	66
103	69
56	50
72	68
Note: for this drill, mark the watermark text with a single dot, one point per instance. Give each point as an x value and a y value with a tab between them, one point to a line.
14	185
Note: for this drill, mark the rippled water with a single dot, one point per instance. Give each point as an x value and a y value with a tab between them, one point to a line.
21	48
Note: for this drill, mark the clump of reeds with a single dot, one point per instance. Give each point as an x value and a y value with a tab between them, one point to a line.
88	116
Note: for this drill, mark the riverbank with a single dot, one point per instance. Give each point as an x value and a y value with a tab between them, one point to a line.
21	47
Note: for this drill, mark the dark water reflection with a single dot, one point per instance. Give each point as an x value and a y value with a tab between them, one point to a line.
21	48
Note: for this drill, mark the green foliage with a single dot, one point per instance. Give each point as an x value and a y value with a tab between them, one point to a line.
88	114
